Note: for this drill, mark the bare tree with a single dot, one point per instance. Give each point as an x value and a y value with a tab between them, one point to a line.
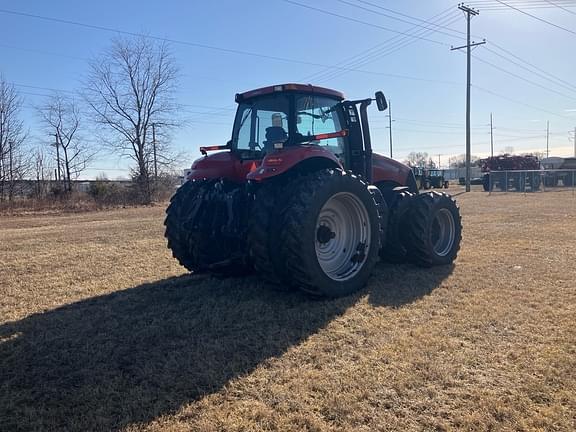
42	172
460	161
130	89
13	160
61	116
417	159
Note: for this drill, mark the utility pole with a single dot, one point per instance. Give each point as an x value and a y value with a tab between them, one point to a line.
439	164
574	141
547	139
390	124
154	148
57	145
491	137
11	170
469	14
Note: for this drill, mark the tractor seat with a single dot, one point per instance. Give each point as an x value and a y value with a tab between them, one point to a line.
274	134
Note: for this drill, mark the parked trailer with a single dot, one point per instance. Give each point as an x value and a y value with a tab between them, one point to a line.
499	172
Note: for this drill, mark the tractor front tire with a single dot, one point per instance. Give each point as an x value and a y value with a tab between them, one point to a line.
331	230
435	231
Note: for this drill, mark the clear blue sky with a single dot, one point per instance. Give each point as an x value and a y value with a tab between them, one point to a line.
423	78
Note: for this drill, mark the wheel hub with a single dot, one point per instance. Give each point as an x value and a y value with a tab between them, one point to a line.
342	236
443	232
324	234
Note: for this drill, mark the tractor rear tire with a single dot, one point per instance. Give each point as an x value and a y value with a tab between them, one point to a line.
394	250
264	236
330	234
176	234
435	231
194	232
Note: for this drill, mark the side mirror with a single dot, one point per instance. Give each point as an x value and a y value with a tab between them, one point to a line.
381	101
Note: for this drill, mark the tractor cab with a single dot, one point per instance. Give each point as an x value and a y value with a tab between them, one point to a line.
280	126
282	117
302	127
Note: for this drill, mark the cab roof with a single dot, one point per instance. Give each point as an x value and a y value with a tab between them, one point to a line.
303	88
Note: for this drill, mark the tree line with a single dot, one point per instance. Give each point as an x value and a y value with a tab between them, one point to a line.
126	103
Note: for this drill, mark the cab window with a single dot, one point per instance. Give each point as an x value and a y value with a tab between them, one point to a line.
261	123
317	115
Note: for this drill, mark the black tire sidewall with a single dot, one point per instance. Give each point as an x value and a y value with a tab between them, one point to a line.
419	238
318	279
444	202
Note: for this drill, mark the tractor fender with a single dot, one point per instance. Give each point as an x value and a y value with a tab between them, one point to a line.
226	165
385	169
303	156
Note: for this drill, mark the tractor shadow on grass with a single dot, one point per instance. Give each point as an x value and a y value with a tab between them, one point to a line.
134	355
395	285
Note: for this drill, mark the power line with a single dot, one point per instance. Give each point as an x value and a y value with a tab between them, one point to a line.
420	131
360	21
538	18
377	55
396	18
504	8
545	76
385	49
519	103
412	17
438	126
366	54
44	88
215	48
367	59
531	65
524	4
522	78
561	7
48	53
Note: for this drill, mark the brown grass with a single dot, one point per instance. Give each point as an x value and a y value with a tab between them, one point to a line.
100	329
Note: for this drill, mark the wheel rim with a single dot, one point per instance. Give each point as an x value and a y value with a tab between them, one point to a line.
342	236
443	232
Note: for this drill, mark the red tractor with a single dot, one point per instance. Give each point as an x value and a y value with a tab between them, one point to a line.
298	196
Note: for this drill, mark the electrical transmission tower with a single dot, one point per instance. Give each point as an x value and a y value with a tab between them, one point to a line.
469	44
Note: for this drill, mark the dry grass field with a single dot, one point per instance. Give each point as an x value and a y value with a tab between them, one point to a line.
100	329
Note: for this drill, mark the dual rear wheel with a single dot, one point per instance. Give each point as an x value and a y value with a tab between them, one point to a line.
324	233
423	229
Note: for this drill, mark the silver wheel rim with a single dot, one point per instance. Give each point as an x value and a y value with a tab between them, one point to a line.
443	232
342	236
